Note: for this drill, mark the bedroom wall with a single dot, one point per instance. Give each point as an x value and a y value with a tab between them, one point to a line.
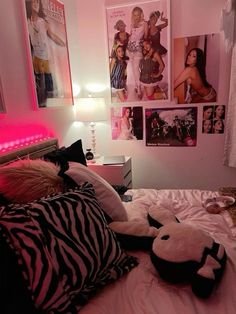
196	167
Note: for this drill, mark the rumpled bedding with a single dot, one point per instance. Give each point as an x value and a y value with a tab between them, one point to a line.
142	291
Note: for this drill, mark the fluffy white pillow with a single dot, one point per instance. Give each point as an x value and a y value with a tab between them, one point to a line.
27	180
105	194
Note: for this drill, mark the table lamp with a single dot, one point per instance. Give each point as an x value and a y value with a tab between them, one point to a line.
91	110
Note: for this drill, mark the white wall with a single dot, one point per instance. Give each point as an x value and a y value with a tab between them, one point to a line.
159	167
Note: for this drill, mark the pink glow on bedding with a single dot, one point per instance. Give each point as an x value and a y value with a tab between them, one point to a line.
142	291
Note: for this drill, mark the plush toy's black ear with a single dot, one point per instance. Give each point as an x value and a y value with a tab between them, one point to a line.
158	217
172	271
202	287
211	271
134	235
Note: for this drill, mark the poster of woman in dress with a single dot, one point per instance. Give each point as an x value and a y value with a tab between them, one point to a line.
127	123
138	47
171	126
196	68
48	43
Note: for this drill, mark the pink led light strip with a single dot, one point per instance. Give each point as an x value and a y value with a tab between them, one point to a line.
22	142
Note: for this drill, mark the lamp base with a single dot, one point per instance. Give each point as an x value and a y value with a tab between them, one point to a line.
96	156
89	155
92	161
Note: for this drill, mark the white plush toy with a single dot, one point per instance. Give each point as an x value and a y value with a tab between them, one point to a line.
179	252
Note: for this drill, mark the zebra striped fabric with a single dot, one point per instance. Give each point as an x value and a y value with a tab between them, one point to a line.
65	248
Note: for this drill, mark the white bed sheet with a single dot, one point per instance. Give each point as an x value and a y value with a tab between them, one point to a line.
142	291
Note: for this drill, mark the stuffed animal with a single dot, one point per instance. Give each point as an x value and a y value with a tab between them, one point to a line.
179	252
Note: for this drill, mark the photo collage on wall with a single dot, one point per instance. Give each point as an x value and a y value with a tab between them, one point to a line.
139	60
213	119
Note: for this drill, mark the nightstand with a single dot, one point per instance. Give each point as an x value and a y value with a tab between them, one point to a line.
118	174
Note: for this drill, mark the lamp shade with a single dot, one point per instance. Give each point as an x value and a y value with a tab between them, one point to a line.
90	109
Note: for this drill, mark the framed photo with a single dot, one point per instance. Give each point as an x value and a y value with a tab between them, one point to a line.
196	59
127	123
46	30
213	119
171	126
2	104
139	51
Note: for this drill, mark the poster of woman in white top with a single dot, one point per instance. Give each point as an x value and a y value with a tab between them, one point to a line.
127	123
138	48
48	44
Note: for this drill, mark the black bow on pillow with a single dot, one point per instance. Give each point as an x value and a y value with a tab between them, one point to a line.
63	155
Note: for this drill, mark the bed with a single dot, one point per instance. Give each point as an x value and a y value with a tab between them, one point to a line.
141	290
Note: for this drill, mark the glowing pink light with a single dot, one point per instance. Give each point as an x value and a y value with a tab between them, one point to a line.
22	142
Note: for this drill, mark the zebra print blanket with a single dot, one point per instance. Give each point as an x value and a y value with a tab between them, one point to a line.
64	248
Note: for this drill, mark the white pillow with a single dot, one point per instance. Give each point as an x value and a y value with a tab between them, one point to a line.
105	194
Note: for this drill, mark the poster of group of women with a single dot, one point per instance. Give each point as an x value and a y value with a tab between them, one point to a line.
171	126
138	44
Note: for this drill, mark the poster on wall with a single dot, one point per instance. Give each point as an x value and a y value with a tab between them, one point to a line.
171	126
139	52
196	68
213	119
46	30
127	123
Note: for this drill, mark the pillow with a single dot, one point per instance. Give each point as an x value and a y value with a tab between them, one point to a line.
26	180
63	155
107	197
14	295
3	200
65	249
